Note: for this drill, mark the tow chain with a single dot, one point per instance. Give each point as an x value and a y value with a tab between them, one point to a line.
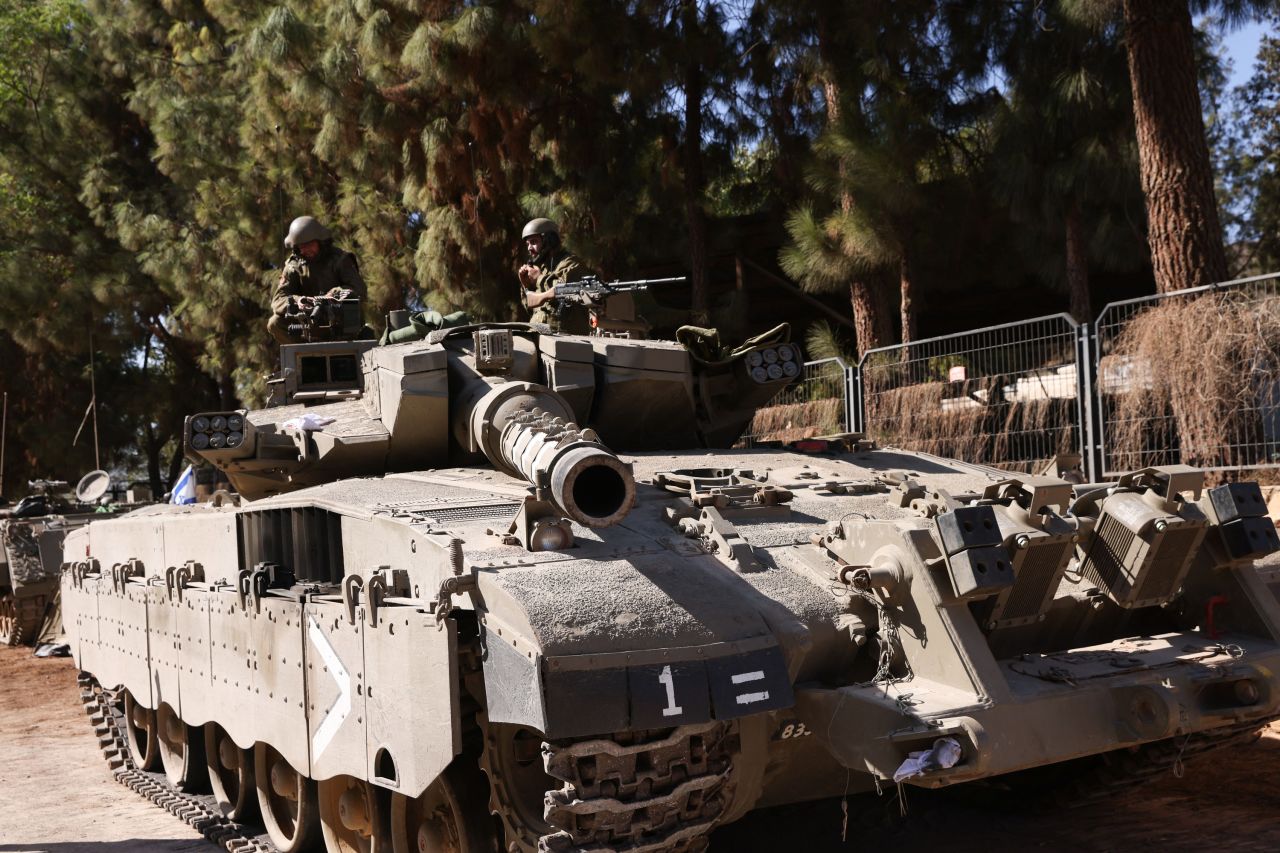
662	793
193	809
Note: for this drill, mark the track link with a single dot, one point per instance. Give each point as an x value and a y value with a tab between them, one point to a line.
192	809
652	793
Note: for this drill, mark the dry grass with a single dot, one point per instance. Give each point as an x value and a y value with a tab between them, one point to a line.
1201	371
794	421
1023	435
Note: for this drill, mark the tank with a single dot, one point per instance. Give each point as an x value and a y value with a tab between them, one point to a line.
506	590
31	561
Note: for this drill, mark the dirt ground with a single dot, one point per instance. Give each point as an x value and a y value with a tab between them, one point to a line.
56	795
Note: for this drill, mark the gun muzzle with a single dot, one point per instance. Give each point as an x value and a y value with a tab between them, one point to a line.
585	479
527	431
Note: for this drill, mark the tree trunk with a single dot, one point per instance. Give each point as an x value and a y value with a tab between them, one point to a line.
866	295
175	466
695	86
1077	266
153	448
906	286
865	310
1177	179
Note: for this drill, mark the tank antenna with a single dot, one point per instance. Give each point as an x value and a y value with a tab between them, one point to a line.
4	429
475	176
93	402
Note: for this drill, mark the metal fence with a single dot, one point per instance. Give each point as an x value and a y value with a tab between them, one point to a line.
1190	377
1005	395
821	402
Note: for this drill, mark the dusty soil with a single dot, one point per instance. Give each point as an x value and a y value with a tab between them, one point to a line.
57	795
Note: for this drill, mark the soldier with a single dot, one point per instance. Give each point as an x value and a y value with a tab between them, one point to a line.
549	264
315	267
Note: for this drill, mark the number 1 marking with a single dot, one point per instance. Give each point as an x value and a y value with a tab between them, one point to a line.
667	681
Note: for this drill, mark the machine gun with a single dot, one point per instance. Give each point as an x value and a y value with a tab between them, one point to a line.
592	292
325	318
47	487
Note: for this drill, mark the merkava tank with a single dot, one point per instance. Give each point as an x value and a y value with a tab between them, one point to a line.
31	560
502	589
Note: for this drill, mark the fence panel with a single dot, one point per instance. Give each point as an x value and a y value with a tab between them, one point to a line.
1003	395
816	404
1191	377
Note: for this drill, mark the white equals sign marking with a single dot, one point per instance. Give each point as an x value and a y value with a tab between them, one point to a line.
750	698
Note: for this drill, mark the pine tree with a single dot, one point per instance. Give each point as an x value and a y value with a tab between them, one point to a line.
1064	156
888	156
1183	224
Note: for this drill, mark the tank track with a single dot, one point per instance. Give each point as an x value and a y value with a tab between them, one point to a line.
647	792
1102	777
1116	772
27	615
200	812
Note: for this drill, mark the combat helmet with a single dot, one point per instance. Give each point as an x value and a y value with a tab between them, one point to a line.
549	231
304	229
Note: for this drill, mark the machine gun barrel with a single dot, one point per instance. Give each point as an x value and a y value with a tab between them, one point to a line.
591	290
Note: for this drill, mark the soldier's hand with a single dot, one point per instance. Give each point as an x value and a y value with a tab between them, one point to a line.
528	274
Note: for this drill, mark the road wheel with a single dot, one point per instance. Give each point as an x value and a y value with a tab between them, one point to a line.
352	816
230	771
287	800
181	750
140	731
451	816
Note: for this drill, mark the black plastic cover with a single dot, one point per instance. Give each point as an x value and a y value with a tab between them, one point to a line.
980	572
968	527
1237	500
1250	538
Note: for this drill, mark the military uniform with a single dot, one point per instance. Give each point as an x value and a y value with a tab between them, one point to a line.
574	320
331	268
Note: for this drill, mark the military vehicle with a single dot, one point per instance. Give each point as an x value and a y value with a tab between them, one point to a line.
501	589
31	564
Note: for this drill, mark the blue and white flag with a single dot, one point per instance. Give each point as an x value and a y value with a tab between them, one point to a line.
184	491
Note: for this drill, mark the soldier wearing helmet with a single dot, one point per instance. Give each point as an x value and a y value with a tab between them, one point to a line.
548	265
315	267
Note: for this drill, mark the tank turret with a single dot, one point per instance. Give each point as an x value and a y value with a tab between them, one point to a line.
509	393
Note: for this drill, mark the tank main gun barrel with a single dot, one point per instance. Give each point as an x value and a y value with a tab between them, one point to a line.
527	431
586	480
